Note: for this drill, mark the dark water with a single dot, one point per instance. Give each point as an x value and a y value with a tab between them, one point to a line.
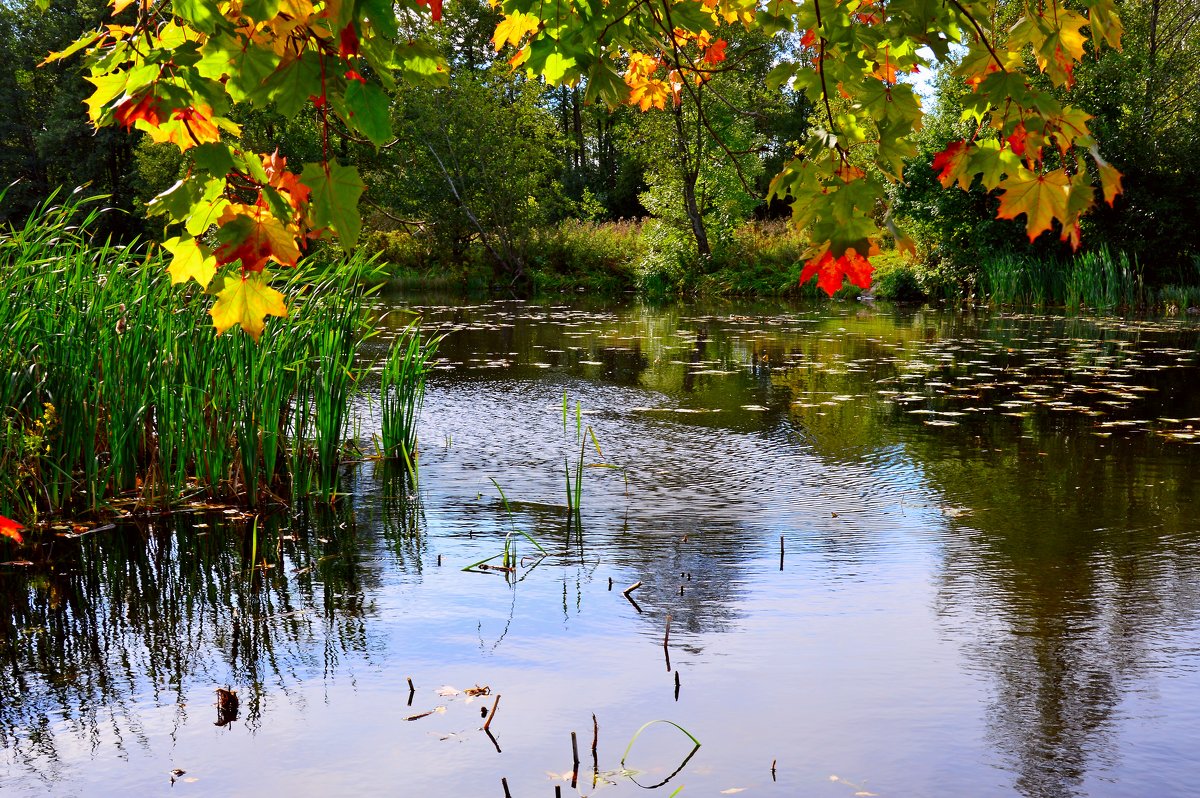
990	582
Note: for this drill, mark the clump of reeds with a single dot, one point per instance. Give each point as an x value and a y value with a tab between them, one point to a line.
114	387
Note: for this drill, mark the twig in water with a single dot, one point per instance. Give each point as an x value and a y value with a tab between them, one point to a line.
492	714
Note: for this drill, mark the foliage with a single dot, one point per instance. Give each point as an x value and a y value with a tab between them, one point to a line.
179	73
114	390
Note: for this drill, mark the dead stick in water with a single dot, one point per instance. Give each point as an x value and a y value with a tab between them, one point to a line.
492	714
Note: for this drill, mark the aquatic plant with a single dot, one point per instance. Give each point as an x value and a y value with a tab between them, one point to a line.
116	393
402	393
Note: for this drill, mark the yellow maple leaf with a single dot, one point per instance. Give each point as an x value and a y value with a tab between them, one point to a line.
247	302
189	261
1041	197
513	28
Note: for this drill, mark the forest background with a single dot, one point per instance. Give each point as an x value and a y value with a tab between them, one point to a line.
497	179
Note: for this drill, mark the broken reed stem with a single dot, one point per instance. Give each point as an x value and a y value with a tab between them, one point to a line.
630	589
575	761
595	756
492	714
504	784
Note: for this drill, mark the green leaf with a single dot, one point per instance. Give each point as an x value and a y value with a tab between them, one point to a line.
368	112
202	14
335	192
292	83
606	85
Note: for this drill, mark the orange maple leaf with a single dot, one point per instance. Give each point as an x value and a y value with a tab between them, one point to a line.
715	52
647	94
831	271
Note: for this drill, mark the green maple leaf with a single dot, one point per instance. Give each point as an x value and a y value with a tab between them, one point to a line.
335	192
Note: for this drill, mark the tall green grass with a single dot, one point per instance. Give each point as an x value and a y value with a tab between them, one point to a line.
116	392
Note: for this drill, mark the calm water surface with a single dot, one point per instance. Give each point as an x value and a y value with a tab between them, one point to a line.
990	581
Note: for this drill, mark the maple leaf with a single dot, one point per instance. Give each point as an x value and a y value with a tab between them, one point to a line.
348	46
247	302
1017	139
513	28
189	261
253	235
831	271
11	529
435	6
1041	197
951	165
649	93
335	192
715	52
144	108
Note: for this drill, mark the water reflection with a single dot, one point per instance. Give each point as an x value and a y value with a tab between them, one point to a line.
154	610
1018	491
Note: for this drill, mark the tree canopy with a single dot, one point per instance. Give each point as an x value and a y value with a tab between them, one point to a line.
178	69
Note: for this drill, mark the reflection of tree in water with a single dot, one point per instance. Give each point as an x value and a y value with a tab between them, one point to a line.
169	610
1074	561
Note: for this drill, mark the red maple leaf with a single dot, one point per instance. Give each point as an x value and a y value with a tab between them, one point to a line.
434	6
1017	139
148	108
11	529
832	271
949	162
349	42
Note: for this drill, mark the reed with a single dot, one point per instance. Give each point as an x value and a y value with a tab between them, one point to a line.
402	393
116	393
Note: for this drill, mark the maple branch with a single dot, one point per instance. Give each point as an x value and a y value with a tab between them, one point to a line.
701	117
824	85
978	29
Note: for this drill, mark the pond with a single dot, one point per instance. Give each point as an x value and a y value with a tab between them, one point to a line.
880	552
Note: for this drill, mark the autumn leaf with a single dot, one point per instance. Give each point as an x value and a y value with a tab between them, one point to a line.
189	261
247	302
253	235
11	529
715	52
648	93
1041	197
831	271
951	165
513	28
144	108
